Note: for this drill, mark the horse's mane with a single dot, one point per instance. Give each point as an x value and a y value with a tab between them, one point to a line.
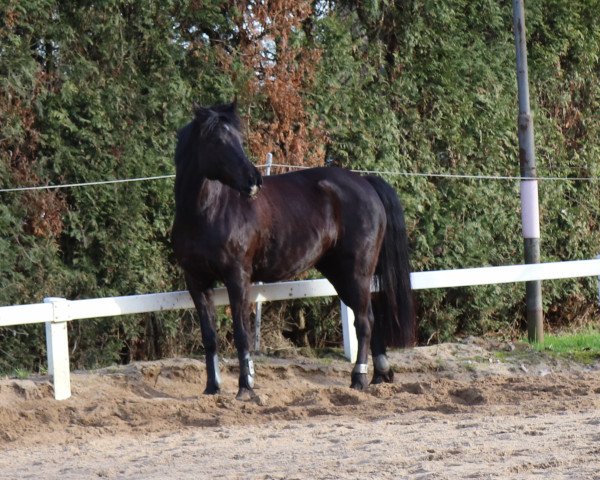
209	119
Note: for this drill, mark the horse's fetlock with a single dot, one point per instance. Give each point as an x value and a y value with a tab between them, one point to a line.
381	363
247	373
383	371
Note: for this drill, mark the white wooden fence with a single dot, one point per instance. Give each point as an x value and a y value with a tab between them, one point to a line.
56	312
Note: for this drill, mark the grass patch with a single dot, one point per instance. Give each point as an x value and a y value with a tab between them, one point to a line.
583	347
18	373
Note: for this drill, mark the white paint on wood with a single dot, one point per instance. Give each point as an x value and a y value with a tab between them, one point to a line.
349	332
56	312
57	344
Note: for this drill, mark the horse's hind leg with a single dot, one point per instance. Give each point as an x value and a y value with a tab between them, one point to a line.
356	293
203	300
382	370
368	333
360	304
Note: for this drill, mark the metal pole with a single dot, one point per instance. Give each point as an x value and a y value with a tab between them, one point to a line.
598	258
257	318
529	189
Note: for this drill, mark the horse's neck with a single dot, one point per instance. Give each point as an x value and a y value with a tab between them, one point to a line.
200	197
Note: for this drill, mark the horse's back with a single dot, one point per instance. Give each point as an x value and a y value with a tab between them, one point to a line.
325	193
310	214
320	182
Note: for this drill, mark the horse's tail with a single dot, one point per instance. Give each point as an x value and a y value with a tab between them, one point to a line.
393	307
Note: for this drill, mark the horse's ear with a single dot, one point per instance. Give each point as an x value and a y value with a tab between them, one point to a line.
232	107
201	112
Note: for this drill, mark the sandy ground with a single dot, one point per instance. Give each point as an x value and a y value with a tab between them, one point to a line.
466	410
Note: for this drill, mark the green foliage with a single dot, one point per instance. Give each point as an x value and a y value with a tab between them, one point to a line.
436	92
94	91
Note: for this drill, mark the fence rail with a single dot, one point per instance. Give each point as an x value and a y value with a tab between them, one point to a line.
56	312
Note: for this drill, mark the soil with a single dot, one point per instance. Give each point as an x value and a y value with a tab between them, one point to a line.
475	409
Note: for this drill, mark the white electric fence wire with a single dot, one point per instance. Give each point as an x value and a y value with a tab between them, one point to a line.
84	184
299	167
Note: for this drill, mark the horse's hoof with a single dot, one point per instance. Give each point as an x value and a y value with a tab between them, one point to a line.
211	390
387	377
359	381
245	394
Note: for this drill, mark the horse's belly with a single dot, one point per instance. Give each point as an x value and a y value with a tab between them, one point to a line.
287	261
279	274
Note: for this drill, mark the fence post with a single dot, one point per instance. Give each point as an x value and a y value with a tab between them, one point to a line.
257	317
349	332
57	345
530	217
598	258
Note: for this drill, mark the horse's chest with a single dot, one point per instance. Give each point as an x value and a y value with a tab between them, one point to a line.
211	249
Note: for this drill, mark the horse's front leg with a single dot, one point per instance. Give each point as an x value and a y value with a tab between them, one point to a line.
203	300
238	288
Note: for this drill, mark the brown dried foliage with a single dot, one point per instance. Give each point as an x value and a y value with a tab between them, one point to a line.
43	209
283	69
569	115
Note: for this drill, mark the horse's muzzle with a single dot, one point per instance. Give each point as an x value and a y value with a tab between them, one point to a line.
255	184
254	189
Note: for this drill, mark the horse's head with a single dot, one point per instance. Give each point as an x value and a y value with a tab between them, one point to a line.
221	151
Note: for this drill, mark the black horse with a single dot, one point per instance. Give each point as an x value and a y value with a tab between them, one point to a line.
234	226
